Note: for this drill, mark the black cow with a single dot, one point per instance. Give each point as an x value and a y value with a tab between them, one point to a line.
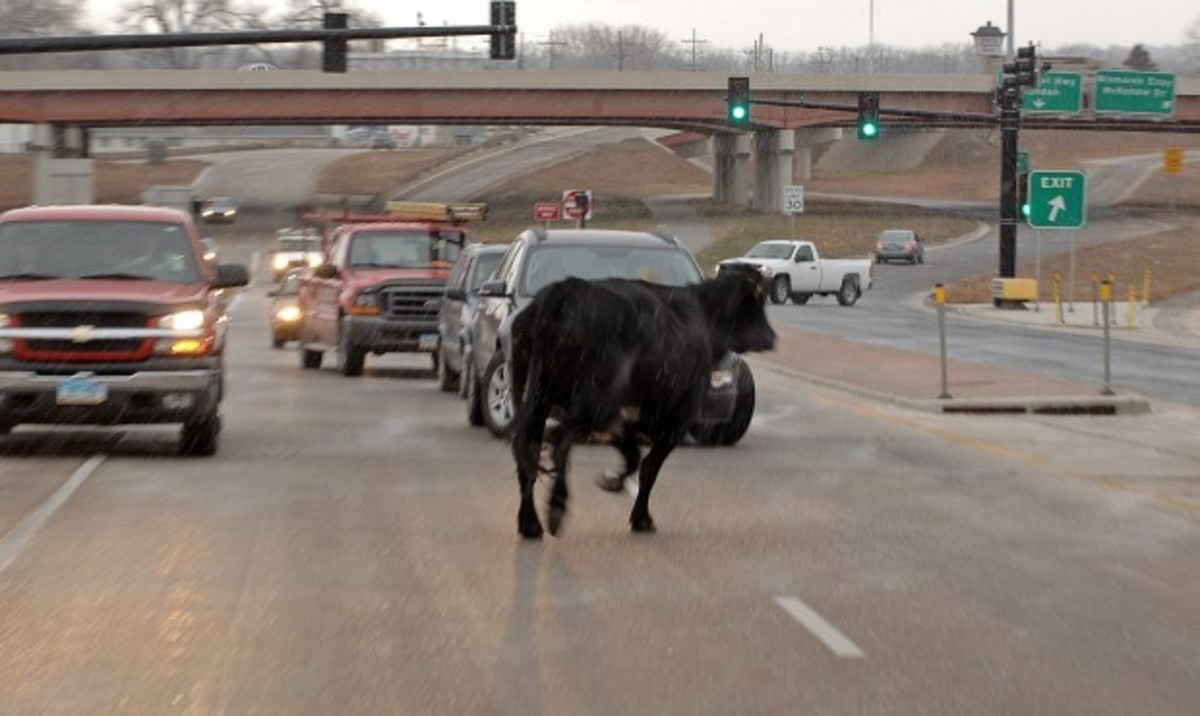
628	361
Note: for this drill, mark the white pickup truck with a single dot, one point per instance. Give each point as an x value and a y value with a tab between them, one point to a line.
797	271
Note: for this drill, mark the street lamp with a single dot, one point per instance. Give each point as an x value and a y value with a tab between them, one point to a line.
989	40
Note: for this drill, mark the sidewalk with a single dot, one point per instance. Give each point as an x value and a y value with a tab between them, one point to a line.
913	379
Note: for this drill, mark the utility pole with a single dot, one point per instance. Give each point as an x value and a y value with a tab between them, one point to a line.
693	42
551	44
620	51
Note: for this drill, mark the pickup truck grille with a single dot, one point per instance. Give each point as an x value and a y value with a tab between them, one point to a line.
121	349
412	301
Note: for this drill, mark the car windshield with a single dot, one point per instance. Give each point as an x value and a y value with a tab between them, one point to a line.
485	265
665	265
148	250
299	244
401	249
893	238
222	203
770	250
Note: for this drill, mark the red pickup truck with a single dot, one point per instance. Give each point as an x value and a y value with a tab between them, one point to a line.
381	286
112	315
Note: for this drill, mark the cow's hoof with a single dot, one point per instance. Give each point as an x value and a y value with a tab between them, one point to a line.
611	481
556	517
530	529
643	525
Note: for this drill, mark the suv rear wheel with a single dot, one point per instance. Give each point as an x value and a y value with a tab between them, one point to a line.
497	396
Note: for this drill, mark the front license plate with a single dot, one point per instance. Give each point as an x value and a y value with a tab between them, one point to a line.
82	391
428	342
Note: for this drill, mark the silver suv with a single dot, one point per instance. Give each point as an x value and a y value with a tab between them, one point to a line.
540	257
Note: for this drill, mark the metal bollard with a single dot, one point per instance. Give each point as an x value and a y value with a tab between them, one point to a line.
1095	279
1112	309
1106	298
939	296
1146	277
1132	306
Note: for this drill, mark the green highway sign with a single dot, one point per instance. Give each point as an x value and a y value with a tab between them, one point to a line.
1056	199
1056	93
1130	92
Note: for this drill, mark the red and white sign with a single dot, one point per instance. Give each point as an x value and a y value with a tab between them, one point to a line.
577	203
546	211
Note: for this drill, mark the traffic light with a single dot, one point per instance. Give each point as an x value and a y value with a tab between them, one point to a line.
868	115
1026	68
1023	193
738	101
334	57
503	45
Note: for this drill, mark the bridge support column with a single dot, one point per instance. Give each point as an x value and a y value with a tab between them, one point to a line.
731	168
773	151
805	140
62	171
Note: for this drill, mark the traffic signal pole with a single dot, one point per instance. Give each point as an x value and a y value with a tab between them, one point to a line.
1010	124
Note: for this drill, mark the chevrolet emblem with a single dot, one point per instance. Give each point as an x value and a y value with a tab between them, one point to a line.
83	334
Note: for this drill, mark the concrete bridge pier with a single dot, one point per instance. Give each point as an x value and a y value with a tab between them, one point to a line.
63	173
805	140
773	151
731	168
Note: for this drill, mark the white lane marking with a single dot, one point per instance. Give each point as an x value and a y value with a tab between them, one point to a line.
823	630
15	541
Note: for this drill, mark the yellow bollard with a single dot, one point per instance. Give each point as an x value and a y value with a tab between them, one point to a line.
1058	312
1146	286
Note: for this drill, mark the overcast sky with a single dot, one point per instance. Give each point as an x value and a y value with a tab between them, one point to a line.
805	25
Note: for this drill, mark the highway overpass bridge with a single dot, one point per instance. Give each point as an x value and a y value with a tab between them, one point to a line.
71	102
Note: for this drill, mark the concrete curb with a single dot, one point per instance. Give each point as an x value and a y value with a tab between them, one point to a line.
1054	405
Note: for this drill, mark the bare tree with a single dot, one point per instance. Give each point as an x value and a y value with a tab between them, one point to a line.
629	47
23	18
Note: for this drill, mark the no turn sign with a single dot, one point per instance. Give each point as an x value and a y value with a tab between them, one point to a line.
577	203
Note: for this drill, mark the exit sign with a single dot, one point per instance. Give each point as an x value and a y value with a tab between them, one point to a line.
1056	199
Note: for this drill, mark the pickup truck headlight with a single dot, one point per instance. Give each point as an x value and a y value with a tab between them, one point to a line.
6	344
315	260
364	304
280	262
191	321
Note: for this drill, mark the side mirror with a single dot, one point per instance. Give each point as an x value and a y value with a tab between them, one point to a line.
325	271
494	287
456	294
231	275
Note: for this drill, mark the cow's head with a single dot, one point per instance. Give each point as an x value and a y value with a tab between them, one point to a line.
737	316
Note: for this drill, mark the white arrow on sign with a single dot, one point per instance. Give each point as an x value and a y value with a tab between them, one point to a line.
1039	103
1057	204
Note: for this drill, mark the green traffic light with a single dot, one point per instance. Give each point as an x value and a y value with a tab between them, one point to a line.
870	129
1025	210
737	113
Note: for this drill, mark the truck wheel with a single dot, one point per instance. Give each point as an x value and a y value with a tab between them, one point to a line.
731	432
199	437
497	396
781	287
310	359
473	395
847	295
350	358
801	298
447	379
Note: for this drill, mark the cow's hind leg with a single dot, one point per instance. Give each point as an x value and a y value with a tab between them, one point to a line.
560	452
527	448
639	518
627	445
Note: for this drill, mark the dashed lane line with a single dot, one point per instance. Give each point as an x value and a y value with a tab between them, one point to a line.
820	628
12	543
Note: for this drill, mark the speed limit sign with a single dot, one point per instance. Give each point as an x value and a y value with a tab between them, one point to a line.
793	199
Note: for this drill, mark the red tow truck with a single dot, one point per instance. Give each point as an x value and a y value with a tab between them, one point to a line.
381	286
112	315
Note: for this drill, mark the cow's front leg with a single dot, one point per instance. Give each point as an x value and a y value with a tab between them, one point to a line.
640	519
